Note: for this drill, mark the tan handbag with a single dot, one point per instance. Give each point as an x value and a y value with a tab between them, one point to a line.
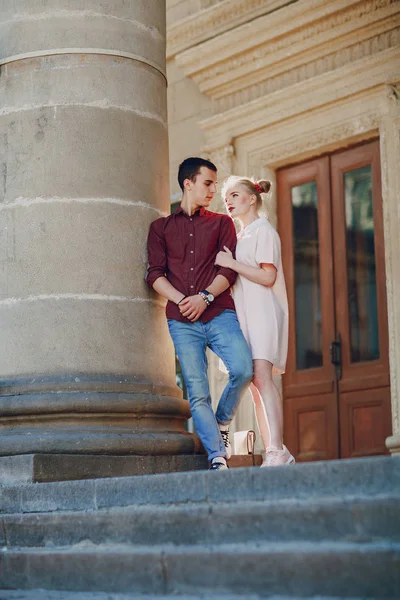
244	441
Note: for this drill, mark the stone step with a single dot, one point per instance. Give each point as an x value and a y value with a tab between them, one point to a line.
366	476
351	519
58	595
291	569
42	468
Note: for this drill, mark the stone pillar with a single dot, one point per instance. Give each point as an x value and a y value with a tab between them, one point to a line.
86	362
390	159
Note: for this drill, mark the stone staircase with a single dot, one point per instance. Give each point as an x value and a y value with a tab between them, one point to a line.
321	530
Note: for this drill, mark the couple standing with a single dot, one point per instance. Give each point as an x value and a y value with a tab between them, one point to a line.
192	265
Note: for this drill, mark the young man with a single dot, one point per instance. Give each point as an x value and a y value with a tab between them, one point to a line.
200	310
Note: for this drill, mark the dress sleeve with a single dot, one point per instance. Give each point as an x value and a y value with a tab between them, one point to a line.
268	249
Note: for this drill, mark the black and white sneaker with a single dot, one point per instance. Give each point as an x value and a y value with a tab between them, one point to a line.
218	464
224	429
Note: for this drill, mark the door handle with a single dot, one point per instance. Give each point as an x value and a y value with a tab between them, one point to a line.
335	350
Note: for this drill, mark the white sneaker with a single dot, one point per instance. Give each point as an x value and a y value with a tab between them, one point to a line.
218	464
224	429
276	458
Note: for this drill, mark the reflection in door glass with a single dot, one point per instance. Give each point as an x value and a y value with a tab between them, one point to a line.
306	276
361	268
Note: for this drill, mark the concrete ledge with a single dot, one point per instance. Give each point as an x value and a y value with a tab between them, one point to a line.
42	468
58	595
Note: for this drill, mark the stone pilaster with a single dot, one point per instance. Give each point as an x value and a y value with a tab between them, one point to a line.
390	159
86	363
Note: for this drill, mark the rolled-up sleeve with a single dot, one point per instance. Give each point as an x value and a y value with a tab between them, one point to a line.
156	250
227	237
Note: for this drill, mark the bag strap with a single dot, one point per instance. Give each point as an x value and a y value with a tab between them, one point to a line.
251	439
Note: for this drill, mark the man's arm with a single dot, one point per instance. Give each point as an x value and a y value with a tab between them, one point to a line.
157	257
163	287
192	307
228	238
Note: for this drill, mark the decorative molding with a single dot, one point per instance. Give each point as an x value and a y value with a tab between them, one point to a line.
325	64
305	97
217	16
323	139
393	94
284	38
100	51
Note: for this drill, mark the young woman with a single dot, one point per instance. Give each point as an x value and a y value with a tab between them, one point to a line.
261	305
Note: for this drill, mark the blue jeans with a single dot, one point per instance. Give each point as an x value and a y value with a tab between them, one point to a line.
224	337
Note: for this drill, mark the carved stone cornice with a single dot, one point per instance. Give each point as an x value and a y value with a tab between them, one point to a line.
305	97
323	64
215	19
291	36
328	138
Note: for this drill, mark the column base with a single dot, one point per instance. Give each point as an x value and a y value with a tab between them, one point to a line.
393	444
103	414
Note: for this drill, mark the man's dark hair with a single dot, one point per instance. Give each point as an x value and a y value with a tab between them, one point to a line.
190	167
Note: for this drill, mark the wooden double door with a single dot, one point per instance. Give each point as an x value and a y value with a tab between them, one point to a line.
336	387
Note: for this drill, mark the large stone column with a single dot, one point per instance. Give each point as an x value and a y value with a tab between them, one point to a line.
86	363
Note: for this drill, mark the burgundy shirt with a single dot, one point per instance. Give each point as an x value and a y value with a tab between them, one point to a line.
183	249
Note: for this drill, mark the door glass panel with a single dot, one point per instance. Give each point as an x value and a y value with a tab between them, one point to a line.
361	269
306	276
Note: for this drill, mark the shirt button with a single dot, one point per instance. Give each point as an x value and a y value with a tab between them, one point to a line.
191	219
192	286
191	268
191	252
191	234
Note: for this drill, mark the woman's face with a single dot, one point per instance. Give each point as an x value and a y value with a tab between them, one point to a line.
238	201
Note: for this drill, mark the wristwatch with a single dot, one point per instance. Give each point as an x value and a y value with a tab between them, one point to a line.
207	296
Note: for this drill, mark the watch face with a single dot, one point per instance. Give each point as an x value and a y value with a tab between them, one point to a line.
211	297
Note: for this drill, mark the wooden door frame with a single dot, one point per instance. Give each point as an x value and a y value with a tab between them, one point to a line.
310	393
342	162
316	170
363	394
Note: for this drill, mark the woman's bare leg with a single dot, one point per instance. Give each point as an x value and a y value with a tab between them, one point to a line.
262	380
261	416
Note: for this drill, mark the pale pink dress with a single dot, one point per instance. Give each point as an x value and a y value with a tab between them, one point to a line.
262	311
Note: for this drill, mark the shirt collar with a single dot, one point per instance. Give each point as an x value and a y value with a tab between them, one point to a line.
254	225
200	212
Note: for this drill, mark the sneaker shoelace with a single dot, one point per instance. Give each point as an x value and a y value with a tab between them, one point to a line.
225	438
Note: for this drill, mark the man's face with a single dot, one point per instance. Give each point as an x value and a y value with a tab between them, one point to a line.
201	191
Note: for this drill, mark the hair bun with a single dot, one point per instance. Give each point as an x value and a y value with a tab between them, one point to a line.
265	185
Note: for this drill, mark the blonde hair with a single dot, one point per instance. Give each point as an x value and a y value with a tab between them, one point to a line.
250	186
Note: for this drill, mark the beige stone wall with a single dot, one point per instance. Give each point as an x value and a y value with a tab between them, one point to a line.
287	81
186	108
